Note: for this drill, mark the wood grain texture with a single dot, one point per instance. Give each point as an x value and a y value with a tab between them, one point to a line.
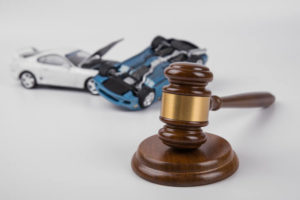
246	100
158	163
189	80
182	154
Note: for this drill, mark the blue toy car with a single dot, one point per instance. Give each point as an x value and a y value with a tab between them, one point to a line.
137	82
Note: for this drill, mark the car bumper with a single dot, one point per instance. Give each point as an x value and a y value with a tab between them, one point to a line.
128	100
14	70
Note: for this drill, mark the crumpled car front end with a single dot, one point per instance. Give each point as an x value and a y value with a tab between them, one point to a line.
116	92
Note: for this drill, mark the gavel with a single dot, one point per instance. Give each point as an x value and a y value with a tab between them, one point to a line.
181	154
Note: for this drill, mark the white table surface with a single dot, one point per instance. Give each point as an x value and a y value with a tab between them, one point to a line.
66	144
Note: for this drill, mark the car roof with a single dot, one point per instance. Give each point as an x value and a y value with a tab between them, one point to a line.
61	51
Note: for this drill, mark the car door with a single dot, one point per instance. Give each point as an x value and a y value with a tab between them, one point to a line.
80	76
55	70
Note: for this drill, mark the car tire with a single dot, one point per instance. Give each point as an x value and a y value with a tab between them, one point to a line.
27	80
157	41
90	86
146	97
182	45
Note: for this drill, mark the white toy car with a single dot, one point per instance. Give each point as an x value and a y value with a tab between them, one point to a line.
60	67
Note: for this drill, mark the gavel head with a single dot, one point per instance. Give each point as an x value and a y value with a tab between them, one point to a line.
185	105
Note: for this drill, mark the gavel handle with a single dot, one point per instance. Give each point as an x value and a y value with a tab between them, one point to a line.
247	100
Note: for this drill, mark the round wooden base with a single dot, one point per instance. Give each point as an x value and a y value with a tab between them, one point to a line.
211	162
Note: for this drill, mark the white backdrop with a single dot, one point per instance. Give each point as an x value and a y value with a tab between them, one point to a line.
67	144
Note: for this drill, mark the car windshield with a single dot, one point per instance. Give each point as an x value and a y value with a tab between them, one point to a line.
76	57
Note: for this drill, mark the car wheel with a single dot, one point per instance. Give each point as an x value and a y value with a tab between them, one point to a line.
91	86
157	41
27	80
146	97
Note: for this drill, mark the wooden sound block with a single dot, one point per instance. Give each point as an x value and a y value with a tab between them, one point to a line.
211	162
